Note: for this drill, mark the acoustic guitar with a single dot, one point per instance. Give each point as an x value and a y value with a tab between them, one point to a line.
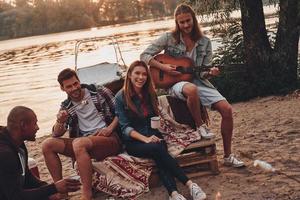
184	65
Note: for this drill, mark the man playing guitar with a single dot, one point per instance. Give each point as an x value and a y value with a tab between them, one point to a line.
187	40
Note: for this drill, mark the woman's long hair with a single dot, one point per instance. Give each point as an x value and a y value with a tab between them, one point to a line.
147	89
196	33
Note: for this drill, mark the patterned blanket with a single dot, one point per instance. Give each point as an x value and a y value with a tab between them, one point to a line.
126	176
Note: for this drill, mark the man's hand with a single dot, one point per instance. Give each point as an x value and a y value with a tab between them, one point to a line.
62	116
67	185
152	139
214	71
170	69
107	131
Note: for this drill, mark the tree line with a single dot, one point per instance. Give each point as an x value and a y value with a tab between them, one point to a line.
21	18
270	64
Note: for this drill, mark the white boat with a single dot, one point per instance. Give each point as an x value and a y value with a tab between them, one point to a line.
104	73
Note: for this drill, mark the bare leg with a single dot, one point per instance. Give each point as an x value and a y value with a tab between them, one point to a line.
51	148
86	148
81	148
225	109
193	102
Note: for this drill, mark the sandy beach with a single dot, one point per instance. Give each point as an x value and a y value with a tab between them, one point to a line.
265	128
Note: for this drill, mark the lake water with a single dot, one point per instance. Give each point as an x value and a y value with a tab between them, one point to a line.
29	66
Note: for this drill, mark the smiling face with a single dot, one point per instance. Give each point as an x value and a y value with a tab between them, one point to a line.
185	22
72	87
138	78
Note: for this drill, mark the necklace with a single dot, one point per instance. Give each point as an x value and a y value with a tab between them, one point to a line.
84	102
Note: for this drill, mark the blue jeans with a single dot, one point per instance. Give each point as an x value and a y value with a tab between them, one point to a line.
168	167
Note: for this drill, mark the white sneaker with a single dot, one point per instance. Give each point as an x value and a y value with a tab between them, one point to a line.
231	160
177	197
196	192
205	132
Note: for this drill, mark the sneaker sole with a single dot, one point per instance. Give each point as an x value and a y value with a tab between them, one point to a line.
208	137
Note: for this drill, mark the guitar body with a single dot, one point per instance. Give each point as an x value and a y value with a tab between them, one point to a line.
162	79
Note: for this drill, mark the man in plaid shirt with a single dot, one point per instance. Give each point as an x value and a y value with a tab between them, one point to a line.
89	115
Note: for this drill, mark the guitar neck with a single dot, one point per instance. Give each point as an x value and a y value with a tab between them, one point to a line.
191	70
228	67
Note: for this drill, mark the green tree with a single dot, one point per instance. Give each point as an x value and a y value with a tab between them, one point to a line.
274	69
269	69
40	17
4	6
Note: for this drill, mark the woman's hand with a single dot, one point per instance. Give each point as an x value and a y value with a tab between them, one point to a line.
152	139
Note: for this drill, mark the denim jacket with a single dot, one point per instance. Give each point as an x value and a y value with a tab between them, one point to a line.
167	43
130	121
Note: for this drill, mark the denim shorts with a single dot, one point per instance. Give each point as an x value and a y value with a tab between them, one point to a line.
208	96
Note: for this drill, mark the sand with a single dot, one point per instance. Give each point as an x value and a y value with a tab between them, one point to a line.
265	128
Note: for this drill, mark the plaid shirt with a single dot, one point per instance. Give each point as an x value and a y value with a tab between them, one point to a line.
104	101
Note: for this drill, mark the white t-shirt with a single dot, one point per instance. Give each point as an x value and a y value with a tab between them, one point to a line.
192	54
89	120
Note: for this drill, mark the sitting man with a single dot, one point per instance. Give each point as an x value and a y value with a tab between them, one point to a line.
188	41
17	181
88	111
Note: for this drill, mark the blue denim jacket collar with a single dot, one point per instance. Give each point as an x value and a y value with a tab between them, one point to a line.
198	43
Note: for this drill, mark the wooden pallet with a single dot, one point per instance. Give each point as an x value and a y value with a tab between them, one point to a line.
198	159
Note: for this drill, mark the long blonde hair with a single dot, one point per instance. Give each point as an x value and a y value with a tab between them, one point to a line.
148	88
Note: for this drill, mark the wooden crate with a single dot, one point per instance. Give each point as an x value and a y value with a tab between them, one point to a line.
198	159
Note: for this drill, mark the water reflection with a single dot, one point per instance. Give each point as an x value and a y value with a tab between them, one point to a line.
28	75
29	66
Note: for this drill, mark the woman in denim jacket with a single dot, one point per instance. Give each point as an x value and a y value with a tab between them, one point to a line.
187	40
136	103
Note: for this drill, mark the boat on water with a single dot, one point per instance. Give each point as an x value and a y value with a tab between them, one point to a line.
104	73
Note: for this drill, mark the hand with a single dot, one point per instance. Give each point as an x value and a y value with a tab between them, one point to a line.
214	71
104	132
152	139
62	116
67	185
171	69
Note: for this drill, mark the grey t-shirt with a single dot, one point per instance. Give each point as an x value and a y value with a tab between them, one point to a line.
89	120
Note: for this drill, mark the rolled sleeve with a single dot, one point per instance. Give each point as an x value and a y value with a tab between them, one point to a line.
124	122
127	131
154	48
